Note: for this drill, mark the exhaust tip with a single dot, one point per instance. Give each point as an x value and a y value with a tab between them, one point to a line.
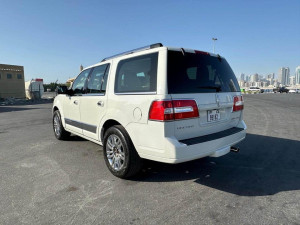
234	149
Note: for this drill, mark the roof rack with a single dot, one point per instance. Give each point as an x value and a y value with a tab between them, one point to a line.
156	45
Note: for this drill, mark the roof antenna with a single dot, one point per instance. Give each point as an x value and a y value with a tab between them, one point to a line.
183	52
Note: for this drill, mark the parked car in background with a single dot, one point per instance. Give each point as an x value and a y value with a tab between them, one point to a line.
281	90
267	91
160	103
294	91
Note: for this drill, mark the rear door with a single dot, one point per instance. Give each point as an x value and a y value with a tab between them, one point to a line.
209	80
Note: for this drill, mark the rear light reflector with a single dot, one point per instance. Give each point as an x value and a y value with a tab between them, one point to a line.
238	103
168	110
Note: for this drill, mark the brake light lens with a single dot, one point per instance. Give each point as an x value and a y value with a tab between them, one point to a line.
238	103
168	110
201	52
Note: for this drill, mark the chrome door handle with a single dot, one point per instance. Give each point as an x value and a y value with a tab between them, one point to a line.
100	103
75	102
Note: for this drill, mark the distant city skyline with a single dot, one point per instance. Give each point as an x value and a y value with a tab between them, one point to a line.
51	39
284	78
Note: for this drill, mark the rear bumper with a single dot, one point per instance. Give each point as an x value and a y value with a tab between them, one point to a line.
214	145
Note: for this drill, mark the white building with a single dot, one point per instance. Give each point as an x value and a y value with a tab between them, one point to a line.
284	76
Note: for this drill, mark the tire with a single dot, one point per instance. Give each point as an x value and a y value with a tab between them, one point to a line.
59	131
119	152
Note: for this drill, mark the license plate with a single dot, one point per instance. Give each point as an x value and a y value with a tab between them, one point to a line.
213	115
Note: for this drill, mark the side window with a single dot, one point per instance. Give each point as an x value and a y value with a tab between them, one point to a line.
98	79
138	74
79	82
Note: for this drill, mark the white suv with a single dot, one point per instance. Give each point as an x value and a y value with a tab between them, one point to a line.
160	103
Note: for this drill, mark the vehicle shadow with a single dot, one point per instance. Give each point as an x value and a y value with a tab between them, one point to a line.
75	138
12	109
265	166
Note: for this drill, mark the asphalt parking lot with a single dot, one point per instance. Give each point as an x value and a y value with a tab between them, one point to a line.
46	181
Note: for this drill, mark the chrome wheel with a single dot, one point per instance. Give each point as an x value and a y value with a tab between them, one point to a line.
56	125
115	152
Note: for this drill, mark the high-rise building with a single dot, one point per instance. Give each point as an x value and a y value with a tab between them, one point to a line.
292	80
297	75
242	77
247	78
284	76
271	75
254	78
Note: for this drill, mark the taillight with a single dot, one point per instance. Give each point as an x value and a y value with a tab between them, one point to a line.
167	110
238	103
161	110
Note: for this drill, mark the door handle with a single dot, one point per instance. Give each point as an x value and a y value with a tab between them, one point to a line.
75	102
100	103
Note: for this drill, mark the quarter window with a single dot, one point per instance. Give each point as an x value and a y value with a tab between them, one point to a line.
79	83
138	74
98	79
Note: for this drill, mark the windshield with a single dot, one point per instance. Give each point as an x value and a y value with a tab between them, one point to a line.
199	73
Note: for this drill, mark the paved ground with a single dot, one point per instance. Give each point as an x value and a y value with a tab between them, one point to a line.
45	181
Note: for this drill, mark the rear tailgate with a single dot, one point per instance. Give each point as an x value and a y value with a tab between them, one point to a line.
209	81
213	117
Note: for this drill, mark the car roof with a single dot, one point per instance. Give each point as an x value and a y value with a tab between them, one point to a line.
156	46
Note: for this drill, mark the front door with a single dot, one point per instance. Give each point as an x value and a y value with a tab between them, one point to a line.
94	102
72	103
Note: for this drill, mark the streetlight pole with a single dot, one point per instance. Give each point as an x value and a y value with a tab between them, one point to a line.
214	39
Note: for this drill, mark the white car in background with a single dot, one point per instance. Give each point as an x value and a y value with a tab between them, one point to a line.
254	89
160	103
294	91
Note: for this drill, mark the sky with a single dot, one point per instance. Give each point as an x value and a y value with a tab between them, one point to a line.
51	39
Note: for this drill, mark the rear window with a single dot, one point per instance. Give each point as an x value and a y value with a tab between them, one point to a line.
199	73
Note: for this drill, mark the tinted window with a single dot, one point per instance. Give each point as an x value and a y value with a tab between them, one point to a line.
138	74
9	76
199	73
98	79
79	83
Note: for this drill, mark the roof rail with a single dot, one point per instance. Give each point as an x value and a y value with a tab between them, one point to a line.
156	45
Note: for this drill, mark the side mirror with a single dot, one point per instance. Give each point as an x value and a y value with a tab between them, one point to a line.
62	90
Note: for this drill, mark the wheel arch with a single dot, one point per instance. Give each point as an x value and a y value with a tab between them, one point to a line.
55	108
107	124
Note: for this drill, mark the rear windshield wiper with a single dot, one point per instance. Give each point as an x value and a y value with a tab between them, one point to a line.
217	88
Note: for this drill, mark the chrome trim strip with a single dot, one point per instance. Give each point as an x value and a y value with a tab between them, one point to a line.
93	94
136	93
80	125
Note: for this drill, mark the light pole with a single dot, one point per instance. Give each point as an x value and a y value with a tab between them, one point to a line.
214	39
